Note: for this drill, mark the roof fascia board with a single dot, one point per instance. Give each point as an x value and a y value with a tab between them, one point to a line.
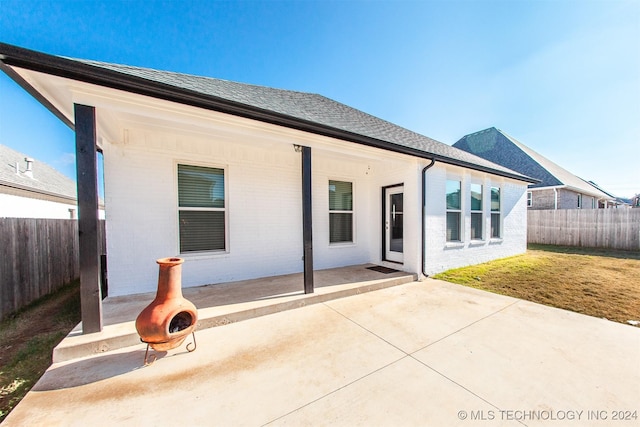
37	191
589	193
550	187
35	93
63	67
570	188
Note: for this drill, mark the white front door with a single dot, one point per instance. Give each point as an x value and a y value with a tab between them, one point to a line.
394	224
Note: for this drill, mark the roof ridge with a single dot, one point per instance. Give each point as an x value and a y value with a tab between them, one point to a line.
481	131
559	172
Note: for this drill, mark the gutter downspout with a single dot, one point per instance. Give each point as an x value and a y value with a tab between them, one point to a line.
424	202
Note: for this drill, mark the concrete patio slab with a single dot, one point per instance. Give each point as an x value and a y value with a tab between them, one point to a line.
226	303
246	373
534	357
503	363
405	393
413	316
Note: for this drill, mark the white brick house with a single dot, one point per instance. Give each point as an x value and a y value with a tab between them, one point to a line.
212	171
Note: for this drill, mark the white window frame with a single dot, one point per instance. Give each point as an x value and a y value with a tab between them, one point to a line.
529	199
458	211
579	201
336	211
496	212
225	209
477	211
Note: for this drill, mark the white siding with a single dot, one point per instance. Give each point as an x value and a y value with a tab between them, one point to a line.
263	205
22	207
263	199
442	255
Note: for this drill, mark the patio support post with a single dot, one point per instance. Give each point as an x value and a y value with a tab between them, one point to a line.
88	220
307	224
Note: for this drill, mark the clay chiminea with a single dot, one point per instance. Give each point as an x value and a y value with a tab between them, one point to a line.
165	323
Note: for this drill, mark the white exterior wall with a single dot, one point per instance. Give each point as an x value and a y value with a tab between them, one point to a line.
22	207
442	255
264	210
144	139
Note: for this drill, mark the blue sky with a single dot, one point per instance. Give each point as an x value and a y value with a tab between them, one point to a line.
563	77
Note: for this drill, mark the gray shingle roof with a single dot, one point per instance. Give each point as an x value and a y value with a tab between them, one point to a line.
304	106
46	179
496	146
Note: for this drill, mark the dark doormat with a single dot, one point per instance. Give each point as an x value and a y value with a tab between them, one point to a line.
381	269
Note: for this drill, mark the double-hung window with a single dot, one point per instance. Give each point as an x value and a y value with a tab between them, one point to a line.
495	213
529	199
340	212
476	212
201	209
454	211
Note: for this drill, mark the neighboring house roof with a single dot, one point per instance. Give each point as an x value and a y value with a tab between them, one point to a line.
496	146
298	110
618	200
43	179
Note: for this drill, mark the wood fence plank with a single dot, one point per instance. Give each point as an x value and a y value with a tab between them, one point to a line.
37	257
597	228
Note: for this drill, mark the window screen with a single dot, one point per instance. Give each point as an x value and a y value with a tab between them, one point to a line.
201	208
340	211
453	211
476	212
495	212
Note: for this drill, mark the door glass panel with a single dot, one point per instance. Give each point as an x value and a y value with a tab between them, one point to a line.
396	243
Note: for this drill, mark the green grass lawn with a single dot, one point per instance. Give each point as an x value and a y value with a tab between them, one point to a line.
601	283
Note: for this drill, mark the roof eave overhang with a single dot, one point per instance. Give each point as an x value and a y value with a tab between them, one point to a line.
574	189
38	191
54	65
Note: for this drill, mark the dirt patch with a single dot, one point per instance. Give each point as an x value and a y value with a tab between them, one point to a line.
27	339
595	282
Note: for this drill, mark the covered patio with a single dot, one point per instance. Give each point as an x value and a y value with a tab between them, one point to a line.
227	303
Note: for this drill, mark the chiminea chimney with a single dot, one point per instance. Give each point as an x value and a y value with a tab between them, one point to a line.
29	171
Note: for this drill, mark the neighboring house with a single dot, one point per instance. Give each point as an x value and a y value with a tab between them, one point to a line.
614	202
33	189
244	180
557	188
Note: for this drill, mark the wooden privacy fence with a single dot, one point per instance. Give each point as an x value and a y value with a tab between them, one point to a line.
37	257
594	228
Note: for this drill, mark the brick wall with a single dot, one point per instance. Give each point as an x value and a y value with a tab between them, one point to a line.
263	199
442	255
263	207
567	199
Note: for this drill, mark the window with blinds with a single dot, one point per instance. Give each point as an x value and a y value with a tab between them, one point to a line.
476	212
453	211
340	212
201	209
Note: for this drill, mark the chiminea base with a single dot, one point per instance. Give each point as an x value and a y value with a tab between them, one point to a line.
165	346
